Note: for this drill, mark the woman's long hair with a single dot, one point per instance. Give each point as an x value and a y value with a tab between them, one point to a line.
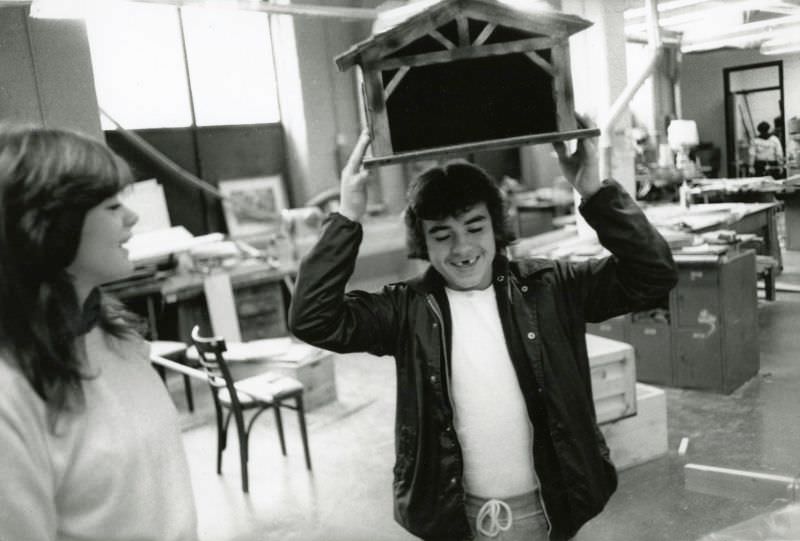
49	180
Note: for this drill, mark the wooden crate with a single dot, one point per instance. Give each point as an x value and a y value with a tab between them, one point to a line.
643	437
613	378
317	375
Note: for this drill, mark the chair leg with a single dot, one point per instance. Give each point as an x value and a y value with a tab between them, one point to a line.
243	440
279	424
187	386
301	418
222	427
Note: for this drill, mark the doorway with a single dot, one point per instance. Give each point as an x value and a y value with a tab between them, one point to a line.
753	94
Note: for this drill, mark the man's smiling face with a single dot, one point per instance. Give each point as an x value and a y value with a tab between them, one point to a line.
462	248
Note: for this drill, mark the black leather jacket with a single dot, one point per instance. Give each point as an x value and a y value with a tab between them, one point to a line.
544	306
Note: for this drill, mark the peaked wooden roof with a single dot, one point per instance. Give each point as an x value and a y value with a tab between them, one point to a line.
399	26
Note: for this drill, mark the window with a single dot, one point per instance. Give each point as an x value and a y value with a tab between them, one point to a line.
141	71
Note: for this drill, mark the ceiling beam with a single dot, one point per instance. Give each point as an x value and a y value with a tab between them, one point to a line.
336	12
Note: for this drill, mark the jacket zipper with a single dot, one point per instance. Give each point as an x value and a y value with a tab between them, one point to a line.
535	476
438	315
539	495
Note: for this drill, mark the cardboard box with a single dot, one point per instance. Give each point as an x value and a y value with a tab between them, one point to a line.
613	370
643	437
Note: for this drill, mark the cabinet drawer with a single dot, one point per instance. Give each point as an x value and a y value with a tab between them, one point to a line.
652	343
698	359
696	304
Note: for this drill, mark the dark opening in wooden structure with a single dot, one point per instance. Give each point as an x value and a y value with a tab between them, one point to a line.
458	76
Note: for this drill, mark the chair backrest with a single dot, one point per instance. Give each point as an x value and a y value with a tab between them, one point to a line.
210	351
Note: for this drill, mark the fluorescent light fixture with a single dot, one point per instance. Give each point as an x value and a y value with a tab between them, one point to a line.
743	35
63	9
664	7
786	48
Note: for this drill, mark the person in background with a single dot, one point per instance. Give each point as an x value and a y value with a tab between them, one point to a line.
91	447
495	429
766	153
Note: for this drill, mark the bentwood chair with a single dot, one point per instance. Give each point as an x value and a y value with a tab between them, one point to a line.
257	393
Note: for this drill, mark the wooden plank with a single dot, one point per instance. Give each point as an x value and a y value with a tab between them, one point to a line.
541	62
484	34
461	53
394	82
517	16
562	87
503	17
463	31
397	37
379	120
381	159
438	36
738	484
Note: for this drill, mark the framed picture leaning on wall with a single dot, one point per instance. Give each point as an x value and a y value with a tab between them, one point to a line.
253	205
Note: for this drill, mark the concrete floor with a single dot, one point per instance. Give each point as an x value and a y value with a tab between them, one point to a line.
348	495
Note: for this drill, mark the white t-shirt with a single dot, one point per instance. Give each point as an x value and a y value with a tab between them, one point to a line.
768	150
491	419
115	471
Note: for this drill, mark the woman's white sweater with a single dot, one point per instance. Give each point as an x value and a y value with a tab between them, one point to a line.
114	470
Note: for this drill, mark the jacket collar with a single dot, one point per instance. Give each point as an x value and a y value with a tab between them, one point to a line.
431	281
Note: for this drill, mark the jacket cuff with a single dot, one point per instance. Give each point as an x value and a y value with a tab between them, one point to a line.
341	220
610	190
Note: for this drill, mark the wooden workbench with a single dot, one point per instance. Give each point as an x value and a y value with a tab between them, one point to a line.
173	303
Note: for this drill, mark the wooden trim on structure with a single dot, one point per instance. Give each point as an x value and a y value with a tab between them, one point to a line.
573	23
562	87
541	62
462	53
484	34
438	36
394	82
555	25
376	105
501	17
463	31
395	38
740	484
466	148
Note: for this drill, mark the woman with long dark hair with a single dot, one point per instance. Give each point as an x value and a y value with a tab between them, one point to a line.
90	442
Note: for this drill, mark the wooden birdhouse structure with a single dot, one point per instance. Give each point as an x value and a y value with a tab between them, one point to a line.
458	76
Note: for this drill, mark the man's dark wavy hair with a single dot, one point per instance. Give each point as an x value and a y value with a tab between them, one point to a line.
449	190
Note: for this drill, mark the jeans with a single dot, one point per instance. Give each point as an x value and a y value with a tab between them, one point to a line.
518	518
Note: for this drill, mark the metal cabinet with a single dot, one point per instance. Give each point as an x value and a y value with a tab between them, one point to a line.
651	340
709	340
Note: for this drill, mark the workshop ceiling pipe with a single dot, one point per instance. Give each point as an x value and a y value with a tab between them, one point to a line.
608	121
162	162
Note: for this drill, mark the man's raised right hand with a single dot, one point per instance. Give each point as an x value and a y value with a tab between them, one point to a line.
353	190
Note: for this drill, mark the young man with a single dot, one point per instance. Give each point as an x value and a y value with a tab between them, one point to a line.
766	152
496	433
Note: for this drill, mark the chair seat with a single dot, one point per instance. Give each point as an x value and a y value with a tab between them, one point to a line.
262	388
